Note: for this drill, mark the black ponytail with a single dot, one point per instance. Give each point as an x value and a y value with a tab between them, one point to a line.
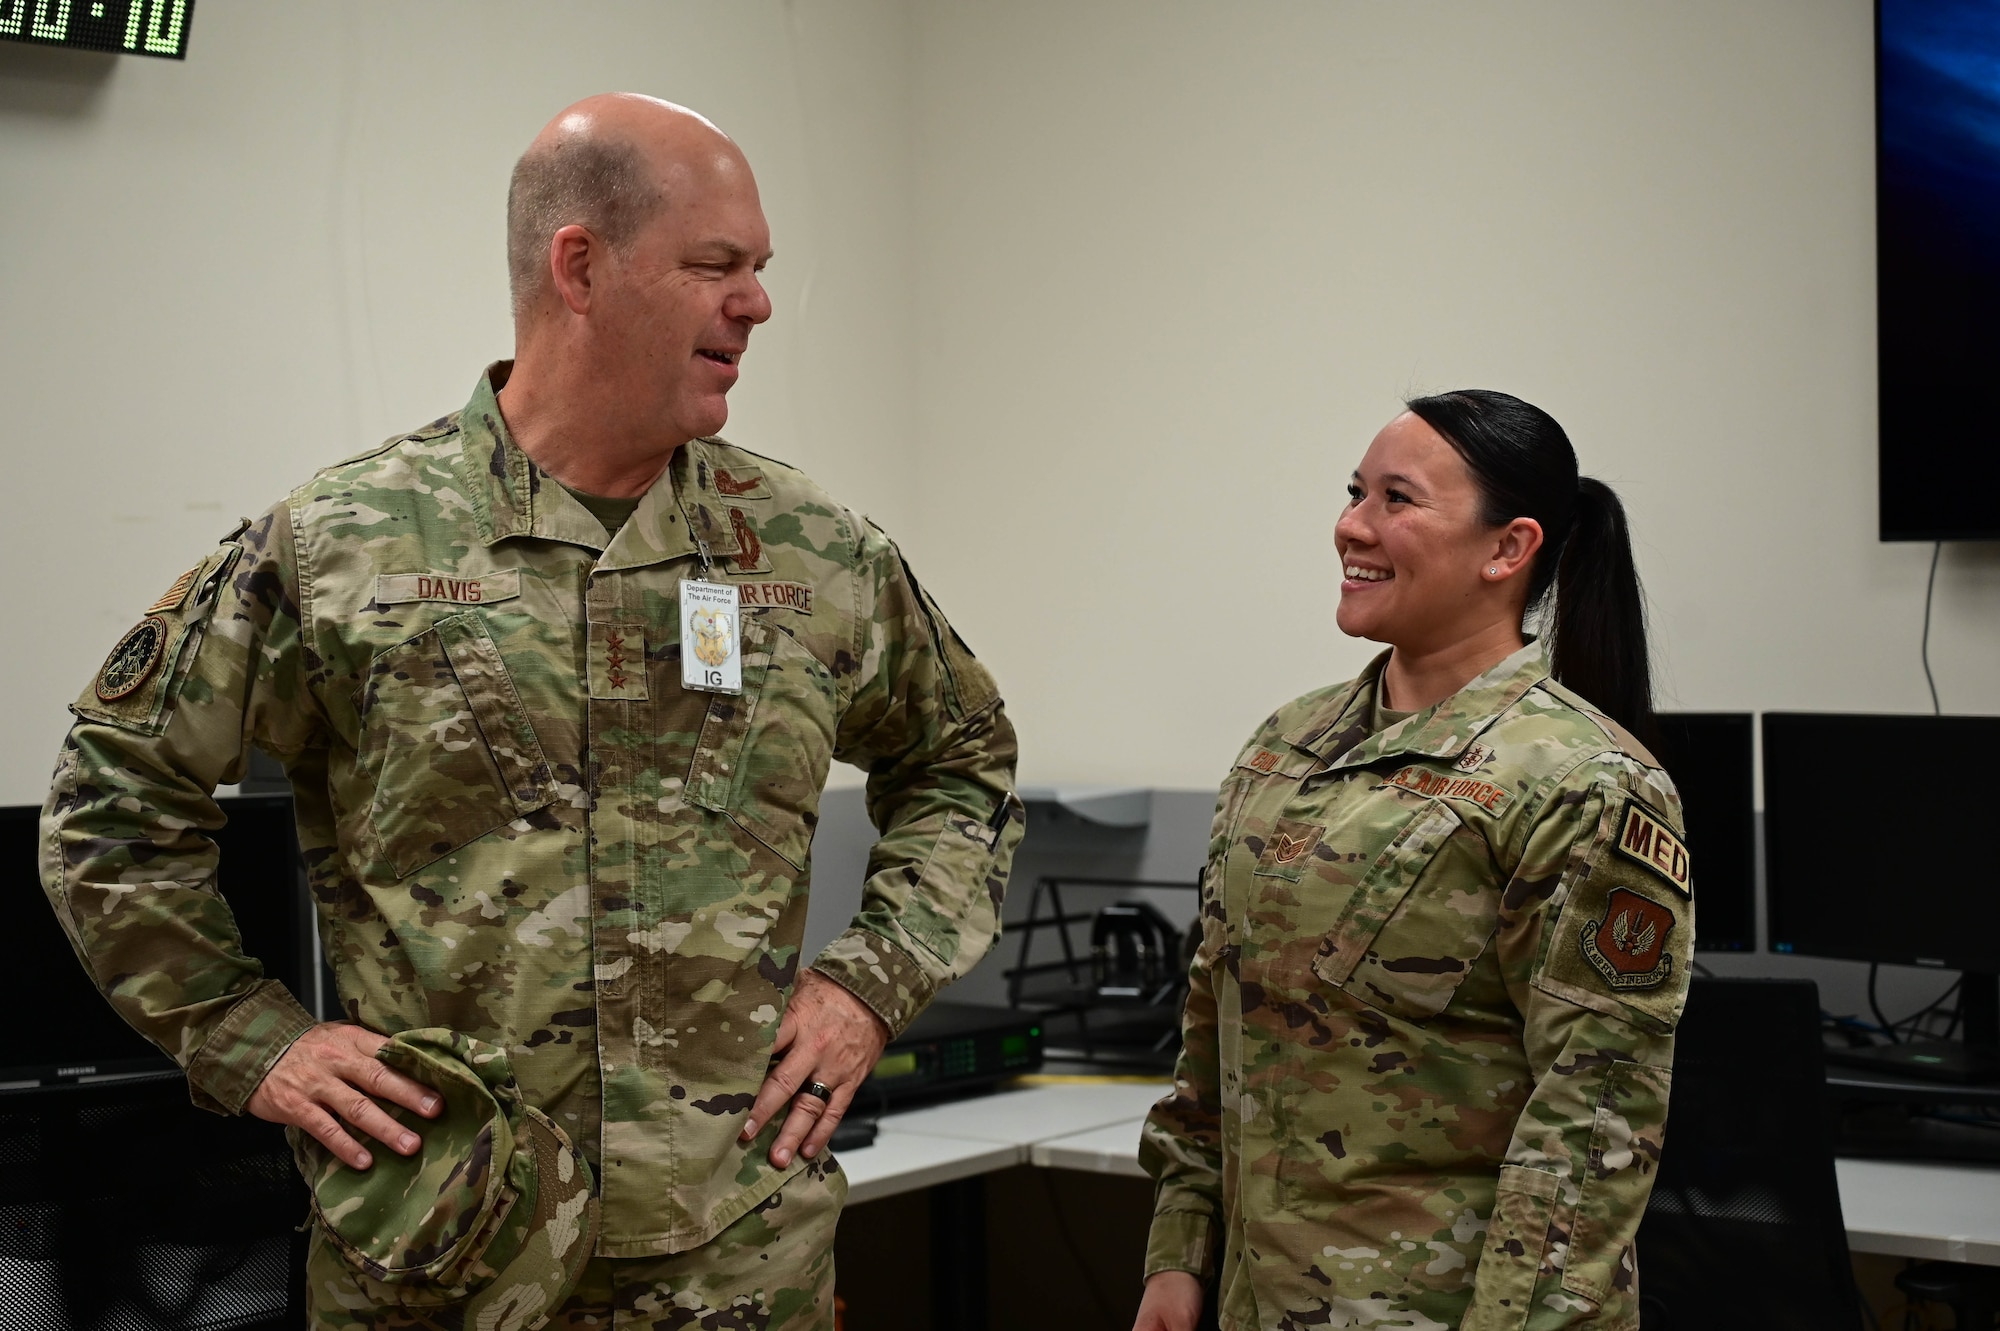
1526	467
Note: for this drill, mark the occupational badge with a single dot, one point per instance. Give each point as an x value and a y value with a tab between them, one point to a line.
1628	946
711	641
133	661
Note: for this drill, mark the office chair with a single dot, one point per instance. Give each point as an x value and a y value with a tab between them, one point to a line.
122	1206
1744	1226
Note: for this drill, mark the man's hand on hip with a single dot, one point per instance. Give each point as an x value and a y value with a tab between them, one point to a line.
330	1073
829	1037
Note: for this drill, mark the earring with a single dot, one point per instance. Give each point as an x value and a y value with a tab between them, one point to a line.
1492	572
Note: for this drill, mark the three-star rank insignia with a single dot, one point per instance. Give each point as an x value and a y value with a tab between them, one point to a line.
1628	946
133	661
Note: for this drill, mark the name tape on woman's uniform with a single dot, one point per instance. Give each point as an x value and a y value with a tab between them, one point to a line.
1644	838
478	589
711	637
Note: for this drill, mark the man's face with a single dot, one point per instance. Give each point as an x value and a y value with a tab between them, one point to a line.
680	301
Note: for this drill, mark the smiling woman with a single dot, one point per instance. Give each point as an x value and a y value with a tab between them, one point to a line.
1430	1024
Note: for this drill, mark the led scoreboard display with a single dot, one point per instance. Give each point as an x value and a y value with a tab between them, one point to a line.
121	27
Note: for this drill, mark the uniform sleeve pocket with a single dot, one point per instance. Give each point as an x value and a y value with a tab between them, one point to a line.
1412	932
1625	1138
1517	1247
764	753
454	749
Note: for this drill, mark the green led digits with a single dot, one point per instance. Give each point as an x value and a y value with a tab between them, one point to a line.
162	31
133	27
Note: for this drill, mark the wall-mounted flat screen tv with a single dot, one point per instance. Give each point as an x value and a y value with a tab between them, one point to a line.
1937	208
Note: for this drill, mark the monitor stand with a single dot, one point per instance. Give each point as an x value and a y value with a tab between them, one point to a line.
1972	1061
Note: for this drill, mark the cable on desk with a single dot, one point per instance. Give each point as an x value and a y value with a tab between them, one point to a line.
1875	1005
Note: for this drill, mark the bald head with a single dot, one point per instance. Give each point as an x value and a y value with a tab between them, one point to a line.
607	164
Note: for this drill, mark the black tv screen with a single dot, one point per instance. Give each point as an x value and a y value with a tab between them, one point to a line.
1907	879
1710	756
1937	208
259	875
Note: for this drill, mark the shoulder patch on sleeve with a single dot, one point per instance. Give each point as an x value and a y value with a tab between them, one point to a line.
140	679
1623	939
1645	838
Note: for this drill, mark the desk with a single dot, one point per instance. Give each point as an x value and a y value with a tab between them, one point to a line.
1937	1212
1901	1208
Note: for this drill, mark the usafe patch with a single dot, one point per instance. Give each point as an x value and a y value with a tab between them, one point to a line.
476	589
779	595
1423	781
1644	838
1628	946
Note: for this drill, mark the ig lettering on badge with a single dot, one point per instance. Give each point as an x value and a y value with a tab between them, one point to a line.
711	637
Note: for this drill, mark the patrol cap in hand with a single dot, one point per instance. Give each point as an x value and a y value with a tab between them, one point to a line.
489	1224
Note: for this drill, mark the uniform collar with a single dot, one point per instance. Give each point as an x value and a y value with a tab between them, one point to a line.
1338	732
513	497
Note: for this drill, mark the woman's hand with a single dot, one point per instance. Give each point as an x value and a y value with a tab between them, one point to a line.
1172	1302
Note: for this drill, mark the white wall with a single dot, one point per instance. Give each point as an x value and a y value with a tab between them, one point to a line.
1093	305
1179	261
218	276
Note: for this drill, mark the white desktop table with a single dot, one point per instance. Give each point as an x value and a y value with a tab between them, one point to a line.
1904	1209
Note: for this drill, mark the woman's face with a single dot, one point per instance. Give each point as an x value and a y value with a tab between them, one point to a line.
1413	550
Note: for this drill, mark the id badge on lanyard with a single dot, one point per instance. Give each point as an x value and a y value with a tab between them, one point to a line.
711	637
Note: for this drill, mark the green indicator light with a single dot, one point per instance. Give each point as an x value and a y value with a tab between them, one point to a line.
1013	1046
1034	1030
896	1065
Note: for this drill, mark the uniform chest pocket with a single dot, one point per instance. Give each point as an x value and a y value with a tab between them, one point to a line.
455	753
1418	919
764	754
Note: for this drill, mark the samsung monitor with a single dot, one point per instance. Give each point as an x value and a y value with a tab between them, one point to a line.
1937	209
1711	757
1872	852
261	878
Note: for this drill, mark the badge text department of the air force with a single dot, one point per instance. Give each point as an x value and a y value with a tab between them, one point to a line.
1628	946
133	661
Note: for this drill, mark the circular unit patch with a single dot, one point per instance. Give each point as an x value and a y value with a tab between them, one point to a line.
133	661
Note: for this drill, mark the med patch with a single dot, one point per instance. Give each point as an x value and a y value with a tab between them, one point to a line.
1644	838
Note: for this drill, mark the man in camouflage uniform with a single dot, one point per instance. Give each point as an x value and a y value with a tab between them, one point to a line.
465	646
1429	1039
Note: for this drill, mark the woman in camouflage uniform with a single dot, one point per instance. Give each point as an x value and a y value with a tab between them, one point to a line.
1446	922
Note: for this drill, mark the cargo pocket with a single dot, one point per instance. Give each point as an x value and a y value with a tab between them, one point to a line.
1411	933
764	753
1517	1245
1625	1140
453	749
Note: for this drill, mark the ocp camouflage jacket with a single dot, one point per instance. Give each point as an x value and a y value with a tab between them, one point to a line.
1428	1042
518	824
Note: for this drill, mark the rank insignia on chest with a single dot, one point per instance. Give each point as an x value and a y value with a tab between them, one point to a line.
133	661
1628	946
618	662
1644	838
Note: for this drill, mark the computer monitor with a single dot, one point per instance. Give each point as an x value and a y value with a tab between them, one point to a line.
1872	852
1710	756
260	876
